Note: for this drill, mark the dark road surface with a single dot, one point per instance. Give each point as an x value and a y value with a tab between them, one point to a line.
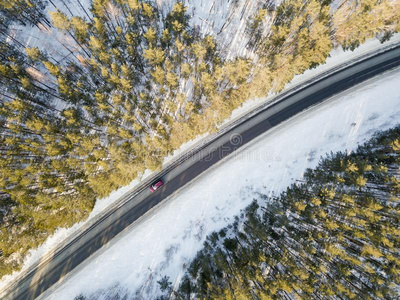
54	268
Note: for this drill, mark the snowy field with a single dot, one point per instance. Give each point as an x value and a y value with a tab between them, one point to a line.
163	242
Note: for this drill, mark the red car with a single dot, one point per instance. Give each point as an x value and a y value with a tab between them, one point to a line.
156	185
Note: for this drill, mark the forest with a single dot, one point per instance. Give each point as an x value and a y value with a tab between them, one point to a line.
135	83
335	234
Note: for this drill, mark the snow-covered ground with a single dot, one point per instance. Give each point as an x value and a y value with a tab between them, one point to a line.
225	20
101	205
163	242
211	16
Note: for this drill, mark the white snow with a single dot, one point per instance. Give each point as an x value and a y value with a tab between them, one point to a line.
163	242
225	20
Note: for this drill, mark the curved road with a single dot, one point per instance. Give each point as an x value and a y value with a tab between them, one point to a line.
53	268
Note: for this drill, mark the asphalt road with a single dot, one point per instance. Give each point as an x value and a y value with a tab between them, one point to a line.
54	268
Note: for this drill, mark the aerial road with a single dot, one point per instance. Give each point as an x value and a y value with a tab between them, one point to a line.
101	231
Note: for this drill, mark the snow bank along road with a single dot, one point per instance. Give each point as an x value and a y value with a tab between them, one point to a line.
55	266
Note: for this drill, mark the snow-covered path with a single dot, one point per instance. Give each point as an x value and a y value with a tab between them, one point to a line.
165	240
